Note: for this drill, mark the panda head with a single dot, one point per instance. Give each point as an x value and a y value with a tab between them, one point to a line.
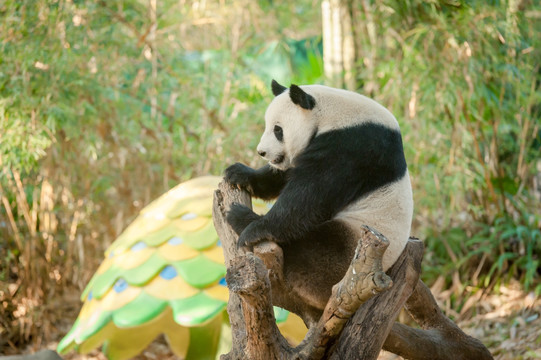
289	125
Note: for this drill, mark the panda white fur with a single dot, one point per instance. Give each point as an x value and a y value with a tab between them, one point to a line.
335	162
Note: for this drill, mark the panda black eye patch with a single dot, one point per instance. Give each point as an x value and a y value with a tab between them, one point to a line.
278	132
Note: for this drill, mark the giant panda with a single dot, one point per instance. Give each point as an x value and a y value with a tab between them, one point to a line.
335	162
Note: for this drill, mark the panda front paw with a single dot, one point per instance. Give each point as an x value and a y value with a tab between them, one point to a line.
240	175
240	216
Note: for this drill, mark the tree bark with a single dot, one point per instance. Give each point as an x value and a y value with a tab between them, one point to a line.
254	331
439	337
356	323
374	319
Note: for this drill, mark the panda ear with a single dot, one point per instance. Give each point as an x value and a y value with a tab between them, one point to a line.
277	89
301	98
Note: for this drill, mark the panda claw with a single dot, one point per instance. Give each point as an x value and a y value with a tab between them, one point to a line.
244	243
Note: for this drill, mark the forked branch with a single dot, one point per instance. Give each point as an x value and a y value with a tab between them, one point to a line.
357	321
255	334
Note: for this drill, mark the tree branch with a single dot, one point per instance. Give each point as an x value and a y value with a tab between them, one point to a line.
375	318
255	334
439	337
354	311
363	280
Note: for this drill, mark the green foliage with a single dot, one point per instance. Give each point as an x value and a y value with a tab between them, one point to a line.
22	143
104	105
463	79
490	254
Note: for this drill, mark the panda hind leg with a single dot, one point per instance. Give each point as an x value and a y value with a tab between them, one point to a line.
314	264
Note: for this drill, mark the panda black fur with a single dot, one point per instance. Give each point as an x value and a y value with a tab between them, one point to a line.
336	162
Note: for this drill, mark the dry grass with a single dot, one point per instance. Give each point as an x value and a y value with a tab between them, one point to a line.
509	323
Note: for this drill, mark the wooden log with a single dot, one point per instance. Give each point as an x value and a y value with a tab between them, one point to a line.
223	198
253	327
439	338
363	280
255	287
365	334
254	331
247	277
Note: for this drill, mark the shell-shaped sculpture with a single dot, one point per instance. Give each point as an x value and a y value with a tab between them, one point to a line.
163	275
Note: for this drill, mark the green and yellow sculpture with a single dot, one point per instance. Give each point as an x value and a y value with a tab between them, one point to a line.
163	275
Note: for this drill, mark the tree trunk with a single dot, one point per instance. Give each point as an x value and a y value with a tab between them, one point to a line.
356	323
338	44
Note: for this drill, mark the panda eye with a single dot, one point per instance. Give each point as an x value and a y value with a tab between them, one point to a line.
278	132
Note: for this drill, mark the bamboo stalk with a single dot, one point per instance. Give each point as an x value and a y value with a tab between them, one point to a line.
11	219
23	202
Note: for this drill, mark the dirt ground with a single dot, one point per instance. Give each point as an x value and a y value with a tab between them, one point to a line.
508	323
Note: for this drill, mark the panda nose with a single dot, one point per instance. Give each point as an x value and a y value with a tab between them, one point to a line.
262	153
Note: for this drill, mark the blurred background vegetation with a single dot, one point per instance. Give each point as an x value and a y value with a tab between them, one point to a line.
104	105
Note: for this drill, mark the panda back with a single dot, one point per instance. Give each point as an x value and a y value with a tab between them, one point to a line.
358	149
337	108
